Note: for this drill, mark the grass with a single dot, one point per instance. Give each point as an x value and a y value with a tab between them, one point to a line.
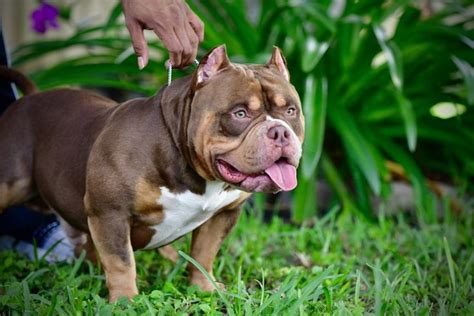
339	265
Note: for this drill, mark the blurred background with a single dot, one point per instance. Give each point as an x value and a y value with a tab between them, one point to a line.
387	88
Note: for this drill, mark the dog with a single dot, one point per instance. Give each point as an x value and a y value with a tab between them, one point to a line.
143	173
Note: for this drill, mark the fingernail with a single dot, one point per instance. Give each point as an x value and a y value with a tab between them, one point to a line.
141	63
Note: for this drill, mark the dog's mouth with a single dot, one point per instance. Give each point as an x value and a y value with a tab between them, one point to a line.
281	175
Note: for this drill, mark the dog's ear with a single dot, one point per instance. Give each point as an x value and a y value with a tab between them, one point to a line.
278	60
211	64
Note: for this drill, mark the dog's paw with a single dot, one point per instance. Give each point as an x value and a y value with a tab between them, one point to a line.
169	253
116	294
204	284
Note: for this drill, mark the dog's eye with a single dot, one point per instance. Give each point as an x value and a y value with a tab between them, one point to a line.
240	114
291	111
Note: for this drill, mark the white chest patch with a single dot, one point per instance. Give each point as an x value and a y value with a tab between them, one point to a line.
186	211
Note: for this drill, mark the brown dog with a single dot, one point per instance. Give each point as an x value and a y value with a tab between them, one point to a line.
143	173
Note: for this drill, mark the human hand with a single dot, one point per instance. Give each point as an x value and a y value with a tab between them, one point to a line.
173	22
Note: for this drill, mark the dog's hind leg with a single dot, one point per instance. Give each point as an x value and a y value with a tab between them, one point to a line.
169	253
14	191
16	158
16	184
79	240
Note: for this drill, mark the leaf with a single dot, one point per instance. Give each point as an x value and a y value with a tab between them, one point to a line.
361	190
314	108
113	17
451	264
33	51
205	308
270	20
393	56
313	51
95	71
240	26
209	278
320	16
304	199
218	27
446	134
467	72
349	38
414	173
408	116
356	146
336	182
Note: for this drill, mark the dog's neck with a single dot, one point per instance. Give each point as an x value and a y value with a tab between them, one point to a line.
174	105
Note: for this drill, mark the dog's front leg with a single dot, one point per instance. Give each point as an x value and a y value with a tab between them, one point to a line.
111	237
206	241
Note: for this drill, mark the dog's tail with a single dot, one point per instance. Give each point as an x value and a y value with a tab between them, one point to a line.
25	85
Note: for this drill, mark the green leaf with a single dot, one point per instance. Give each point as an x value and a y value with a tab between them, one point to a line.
409	121
335	180
33	51
393	56
205	308
113	17
103	74
356	146
209	278
362	191
218	27
349	38
467	72
314	108
318	15
414	173
313	51
304	199
239	26
451	264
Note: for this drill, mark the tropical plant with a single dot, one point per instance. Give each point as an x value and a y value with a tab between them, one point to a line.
107	59
371	76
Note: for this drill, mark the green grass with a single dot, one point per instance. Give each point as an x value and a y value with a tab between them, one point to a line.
339	265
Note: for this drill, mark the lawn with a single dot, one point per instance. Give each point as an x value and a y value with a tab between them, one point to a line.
339	264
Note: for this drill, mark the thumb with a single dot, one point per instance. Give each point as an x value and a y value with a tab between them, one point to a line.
139	43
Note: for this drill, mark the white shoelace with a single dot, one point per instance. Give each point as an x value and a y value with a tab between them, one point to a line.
170	70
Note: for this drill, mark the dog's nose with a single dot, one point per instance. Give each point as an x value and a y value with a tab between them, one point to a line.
279	134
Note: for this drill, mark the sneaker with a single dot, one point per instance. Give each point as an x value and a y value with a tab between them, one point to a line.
52	244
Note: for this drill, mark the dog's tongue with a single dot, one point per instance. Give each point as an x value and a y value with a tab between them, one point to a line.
282	174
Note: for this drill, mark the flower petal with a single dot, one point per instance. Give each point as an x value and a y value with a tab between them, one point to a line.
50	12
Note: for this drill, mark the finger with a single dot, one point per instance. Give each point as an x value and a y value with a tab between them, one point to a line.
188	42
139	43
193	44
172	44
196	24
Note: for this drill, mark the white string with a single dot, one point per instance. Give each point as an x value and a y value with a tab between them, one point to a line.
170	70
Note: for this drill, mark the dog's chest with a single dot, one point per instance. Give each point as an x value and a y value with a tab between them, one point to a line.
184	212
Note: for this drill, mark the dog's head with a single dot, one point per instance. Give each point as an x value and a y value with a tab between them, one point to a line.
246	125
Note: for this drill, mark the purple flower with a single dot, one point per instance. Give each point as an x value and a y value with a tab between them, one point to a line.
44	17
